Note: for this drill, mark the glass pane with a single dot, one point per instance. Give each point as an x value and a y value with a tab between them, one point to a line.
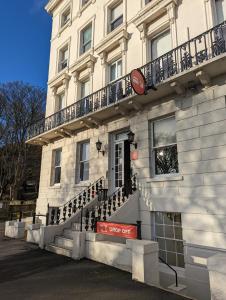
159	218
178	233
180	247
221	10
85	89
177	219
159	230
180	261
171	258
57	157
116	23
166	160
57	175
86	171
60	102
113	72
65	54
87	35
164	132
162	245
168	218
161	45
116	12
119	69
171	245
162	254
84	152
169	232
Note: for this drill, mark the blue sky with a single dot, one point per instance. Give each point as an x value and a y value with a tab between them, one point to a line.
24	41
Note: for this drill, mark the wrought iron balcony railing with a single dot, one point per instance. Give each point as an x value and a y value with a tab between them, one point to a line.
194	52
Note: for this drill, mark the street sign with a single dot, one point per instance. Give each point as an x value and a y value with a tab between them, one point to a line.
138	82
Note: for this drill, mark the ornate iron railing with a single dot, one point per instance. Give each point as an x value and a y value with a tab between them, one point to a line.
108	206
192	53
61	214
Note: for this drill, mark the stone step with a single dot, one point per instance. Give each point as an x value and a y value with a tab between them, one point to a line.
58	250
63	242
68	233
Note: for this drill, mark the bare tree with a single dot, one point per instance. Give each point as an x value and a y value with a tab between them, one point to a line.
20	106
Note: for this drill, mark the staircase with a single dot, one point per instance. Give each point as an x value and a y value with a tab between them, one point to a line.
88	207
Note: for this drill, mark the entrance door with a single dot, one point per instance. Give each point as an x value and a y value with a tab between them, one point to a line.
121	163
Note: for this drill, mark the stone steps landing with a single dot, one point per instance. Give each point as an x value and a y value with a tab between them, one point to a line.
58	250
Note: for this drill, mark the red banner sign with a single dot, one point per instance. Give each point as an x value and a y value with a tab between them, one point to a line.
138	82
115	229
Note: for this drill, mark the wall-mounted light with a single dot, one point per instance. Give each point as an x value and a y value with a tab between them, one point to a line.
99	147
131	136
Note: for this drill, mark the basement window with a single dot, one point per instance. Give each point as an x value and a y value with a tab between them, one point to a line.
167	231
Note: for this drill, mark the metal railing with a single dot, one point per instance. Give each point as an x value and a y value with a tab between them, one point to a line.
110	205
192	53
171	268
61	214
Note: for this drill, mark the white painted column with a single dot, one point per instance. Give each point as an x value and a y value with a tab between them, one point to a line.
145	261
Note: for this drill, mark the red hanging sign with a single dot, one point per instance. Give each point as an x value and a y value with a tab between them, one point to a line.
138	82
115	229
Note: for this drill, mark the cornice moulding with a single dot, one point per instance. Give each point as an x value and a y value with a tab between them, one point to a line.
59	79
51	5
111	40
152	10
83	63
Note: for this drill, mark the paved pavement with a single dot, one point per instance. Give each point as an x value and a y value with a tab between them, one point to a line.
28	273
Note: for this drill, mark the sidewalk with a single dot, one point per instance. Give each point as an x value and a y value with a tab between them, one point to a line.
28	273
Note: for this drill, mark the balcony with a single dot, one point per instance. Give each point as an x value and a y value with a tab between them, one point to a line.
197	61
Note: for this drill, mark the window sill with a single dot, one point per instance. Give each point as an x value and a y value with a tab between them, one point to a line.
55	186
68	24
166	178
82	184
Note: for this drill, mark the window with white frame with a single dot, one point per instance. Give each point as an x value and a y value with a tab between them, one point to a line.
116	90
60	102
65	17
161	44
220	10
63	58
115	70
116	16
86	39
56	170
83	163
164	146
167	231
85	88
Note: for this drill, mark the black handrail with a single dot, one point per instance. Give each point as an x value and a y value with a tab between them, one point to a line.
176	276
179	59
66	210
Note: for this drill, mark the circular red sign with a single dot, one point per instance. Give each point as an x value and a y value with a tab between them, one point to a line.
138	82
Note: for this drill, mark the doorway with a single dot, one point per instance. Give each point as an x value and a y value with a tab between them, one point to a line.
120	163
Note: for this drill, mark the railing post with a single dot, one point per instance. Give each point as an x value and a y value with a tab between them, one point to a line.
47	219
81	219
139	236
34	216
20	217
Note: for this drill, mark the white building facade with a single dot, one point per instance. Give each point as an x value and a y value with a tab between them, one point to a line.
179	148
